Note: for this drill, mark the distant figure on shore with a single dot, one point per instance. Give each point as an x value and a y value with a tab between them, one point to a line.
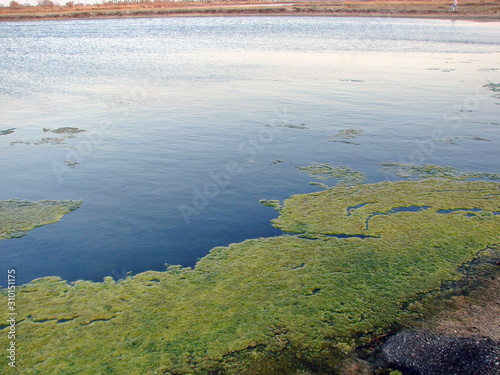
454	6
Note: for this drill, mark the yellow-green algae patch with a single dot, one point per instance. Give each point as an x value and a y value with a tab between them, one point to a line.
343	136
421	171
346	210
276	305
19	216
343	175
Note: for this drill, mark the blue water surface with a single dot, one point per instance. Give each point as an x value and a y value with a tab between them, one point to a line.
188	124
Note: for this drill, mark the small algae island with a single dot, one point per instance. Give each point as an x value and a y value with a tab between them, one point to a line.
357	262
19	216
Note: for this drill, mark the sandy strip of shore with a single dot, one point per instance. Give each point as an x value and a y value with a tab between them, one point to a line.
487	10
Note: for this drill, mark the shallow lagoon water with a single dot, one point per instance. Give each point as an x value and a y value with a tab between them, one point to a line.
177	153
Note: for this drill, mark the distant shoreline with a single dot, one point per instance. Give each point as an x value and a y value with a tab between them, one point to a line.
438	9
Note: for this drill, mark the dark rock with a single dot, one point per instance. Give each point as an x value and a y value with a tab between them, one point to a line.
421	353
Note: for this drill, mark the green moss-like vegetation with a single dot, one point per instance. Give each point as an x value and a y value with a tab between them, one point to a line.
344	176
320	184
65	133
346	210
65	130
18	216
290	126
7	131
345	134
54	141
71	164
271	203
348	133
420	171
452	140
493	86
277	305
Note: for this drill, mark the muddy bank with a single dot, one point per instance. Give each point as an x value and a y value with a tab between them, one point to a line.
474	314
463	338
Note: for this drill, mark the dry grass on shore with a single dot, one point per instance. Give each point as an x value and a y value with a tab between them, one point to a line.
475	10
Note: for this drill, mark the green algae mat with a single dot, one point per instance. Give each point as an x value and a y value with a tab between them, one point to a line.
354	264
19	216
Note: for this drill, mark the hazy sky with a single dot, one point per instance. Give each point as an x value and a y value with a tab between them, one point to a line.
61	2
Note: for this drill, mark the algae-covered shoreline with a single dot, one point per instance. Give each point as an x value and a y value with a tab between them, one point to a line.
296	303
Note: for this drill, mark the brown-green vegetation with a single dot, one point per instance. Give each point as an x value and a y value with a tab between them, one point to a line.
452	140
345	135
71	164
493	86
65	130
344	176
281	305
54	141
289	126
66	133
419	171
271	203
351	80
7	131
19	216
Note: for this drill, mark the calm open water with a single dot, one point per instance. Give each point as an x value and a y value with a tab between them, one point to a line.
177	154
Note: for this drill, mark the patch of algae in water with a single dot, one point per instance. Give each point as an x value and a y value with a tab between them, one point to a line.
289	126
420	171
67	133
344	176
342	135
277	305
64	130
271	203
7	131
493	86
19	216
